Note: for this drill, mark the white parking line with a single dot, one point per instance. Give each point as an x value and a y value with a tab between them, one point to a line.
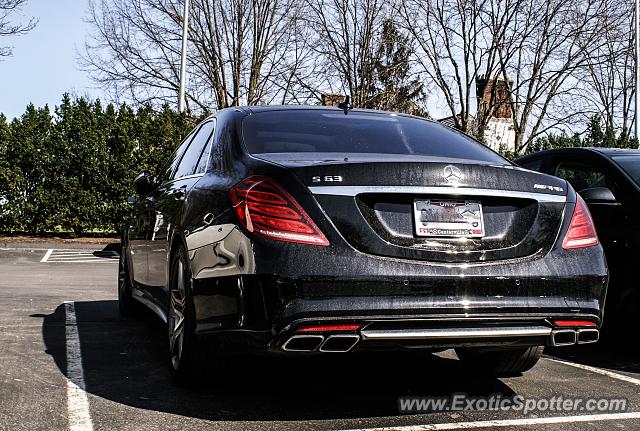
46	255
80	256
72	253
511	422
600	371
77	402
85	261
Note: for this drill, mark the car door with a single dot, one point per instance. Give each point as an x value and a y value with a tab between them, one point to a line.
141	230
168	208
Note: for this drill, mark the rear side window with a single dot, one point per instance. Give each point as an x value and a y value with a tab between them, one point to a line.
320	131
191	157
581	175
207	152
171	164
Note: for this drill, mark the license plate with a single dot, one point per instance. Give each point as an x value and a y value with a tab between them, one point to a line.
440	217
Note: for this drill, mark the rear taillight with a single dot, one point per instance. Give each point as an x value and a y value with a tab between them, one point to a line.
266	209
581	232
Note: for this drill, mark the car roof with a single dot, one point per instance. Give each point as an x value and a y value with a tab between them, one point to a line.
604	151
617	151
274	108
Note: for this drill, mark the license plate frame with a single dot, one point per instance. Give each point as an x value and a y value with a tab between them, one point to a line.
453	218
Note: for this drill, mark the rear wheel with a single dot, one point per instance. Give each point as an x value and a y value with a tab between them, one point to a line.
501	362
181	321
126	304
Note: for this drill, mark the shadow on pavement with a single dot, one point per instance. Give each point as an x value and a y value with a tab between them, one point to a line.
124	361
612	352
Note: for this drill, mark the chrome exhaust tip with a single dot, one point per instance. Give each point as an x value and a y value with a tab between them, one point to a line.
339	343
563	337
303	343
586	336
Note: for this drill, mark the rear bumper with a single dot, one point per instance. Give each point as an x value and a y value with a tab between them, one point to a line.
434	335
290	285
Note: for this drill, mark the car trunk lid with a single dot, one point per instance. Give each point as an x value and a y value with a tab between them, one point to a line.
371	199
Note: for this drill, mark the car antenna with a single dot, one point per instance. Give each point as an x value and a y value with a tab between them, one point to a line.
346	105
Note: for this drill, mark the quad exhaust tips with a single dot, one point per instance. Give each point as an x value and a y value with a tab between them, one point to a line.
569	337
339	343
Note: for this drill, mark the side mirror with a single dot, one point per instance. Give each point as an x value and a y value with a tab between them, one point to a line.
598	195
144	183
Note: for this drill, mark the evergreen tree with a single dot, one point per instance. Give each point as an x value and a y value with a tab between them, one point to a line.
395	90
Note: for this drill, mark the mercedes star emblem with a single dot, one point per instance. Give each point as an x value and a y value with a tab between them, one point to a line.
452	174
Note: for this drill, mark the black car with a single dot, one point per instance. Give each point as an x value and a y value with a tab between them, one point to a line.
299	230
609	181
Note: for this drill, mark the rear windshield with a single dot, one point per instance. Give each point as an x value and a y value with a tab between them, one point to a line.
631	165
319	131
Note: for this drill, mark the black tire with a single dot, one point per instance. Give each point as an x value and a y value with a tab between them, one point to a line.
184	352
501	362
126	304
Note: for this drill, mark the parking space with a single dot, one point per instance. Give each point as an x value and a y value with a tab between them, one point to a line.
70	362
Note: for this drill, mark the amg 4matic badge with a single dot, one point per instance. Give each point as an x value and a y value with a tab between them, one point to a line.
548	187
448	218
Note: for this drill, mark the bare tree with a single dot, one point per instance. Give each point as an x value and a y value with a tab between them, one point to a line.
607	77
542	46
345	45
535	45
239	50
454	49
8	10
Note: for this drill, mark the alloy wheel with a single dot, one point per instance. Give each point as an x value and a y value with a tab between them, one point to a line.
177	307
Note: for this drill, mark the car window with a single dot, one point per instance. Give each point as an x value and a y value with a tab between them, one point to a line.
206	152
325	131
631	165
581	175
171	164
534	165
189	161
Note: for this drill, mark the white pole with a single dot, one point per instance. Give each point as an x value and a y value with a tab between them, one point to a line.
636	23
183	59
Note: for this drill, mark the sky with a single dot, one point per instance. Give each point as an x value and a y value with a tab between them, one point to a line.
44	64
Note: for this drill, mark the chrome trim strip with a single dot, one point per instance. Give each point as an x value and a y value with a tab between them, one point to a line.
466	191
460	333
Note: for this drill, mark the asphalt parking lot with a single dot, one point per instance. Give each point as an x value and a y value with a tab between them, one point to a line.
70	362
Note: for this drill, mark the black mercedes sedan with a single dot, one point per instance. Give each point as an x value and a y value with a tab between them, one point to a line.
609	181
313	230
